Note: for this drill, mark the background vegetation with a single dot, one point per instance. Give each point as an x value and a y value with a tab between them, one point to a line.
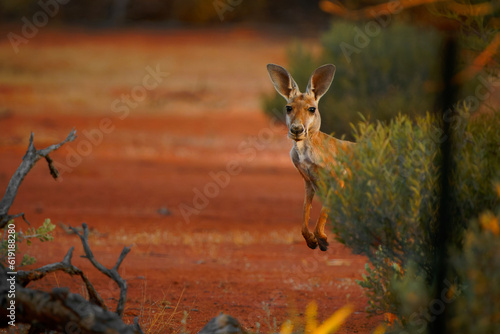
377	76
388	212
388	208
194	12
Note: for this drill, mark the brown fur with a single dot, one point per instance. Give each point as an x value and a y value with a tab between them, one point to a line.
312	149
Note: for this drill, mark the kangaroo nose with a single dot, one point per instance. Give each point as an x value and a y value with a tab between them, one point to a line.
297	129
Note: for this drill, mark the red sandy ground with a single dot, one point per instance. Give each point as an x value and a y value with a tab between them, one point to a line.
241	252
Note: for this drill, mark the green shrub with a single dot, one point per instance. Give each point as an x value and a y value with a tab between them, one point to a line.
387	74
387	209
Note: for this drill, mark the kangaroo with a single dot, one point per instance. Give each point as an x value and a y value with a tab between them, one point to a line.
313	151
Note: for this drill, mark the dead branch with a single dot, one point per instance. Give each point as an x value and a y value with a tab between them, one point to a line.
389	7
374	11
25	277
111	273
29	160
59	310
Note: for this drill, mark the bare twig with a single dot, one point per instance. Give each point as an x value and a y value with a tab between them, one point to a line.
374	11
29	160
25	277
111	273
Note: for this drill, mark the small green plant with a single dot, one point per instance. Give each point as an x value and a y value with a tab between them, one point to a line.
42	233
273	328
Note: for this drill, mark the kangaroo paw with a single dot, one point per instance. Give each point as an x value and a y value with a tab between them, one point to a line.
312	244
322	242
310	240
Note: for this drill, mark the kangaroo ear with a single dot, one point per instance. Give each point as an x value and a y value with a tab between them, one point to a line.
320	80
282	81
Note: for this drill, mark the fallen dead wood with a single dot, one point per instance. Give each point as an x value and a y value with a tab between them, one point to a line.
222	324
59	310
25	277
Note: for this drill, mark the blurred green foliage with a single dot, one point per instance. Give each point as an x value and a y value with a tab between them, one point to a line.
15	6
478	264
387	210
380	72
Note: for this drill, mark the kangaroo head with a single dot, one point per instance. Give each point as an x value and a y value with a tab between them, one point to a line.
302	114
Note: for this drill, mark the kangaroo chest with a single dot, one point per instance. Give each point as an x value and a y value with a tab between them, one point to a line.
306	160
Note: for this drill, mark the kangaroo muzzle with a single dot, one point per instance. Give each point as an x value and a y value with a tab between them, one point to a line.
297	131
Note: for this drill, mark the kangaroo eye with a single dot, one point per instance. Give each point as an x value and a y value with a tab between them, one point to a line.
289	109
312	109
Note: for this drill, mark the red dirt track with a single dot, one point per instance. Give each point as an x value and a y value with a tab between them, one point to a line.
191	174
